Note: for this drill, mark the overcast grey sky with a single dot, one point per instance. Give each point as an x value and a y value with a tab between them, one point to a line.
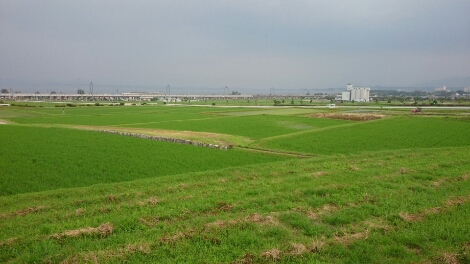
241	44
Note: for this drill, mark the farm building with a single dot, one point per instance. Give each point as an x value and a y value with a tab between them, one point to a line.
357	94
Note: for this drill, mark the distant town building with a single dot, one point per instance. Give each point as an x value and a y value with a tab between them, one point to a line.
466	89
441	89
356	94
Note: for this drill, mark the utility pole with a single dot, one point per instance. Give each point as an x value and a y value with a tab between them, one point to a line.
91	89
168	92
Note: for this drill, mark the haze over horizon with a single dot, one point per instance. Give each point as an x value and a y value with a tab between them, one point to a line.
245	45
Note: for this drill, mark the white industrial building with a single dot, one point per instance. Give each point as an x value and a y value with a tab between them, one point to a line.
356	94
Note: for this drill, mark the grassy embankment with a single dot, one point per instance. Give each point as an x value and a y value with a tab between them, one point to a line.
382	205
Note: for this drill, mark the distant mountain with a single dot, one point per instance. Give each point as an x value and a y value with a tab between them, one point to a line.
449	82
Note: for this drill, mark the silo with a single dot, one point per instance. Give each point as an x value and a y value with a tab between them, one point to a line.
363	94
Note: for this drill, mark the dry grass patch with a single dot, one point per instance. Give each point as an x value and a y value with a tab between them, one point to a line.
405	171
463	178
448	258
317	245
217	224
213	138
457	200
178	236
434	210
29	210
185	197
297	249
149	221
319	211
376	223
318	174
89	257
272	254
245	259
253	218
144	248
152	201
79	211
348	238
102	230
410	218
259	219
94	257
353	168
9	241
23	212
349	116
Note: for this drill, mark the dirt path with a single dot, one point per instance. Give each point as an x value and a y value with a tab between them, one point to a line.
280	152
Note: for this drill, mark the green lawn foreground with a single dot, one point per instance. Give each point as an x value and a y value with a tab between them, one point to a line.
384	207
35	159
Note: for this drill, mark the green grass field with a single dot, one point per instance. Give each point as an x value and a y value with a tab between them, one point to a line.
299	189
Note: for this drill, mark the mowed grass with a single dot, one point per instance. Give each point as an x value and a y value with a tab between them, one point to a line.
404	132
384	207
36	159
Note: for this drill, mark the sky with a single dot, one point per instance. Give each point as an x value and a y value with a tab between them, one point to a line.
243	45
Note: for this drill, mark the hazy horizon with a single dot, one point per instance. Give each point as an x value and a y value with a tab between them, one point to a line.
244	45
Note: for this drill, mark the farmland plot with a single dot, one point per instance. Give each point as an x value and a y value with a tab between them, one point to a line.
35	159
252	126
386	134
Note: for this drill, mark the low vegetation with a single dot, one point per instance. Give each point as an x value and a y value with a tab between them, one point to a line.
312	190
